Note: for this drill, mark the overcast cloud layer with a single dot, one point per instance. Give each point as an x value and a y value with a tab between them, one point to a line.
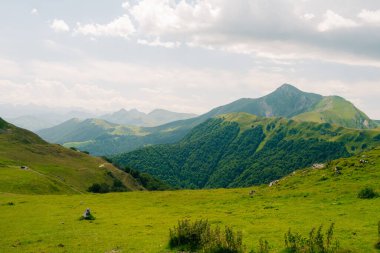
187	56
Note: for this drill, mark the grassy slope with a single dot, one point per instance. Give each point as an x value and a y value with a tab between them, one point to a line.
52	168
240	149
139	221
336	110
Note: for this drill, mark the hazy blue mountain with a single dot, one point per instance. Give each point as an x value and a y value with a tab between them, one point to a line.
37	122
137	118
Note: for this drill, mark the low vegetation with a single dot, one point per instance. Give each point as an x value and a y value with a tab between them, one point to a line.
317	241
367	193
200	237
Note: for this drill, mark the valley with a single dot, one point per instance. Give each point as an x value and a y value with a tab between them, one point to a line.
305	199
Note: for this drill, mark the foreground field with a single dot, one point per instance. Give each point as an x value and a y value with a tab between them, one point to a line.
139	221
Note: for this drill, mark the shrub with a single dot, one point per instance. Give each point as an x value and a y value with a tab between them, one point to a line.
99	188
263	246
317	242
367	193
199	236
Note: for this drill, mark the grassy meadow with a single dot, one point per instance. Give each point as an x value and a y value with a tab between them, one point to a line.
140	221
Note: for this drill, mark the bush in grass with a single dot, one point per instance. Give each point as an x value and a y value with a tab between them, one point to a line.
199	236
367	193
263	246
99	188
316	242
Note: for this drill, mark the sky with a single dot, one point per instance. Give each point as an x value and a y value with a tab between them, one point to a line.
186	55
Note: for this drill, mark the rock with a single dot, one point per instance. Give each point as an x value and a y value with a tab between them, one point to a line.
318	166
87	214
273	183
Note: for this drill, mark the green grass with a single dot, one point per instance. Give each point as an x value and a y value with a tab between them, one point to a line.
140	221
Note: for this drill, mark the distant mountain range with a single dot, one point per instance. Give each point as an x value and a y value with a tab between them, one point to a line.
287	101
241	149
136	118
29	165
37	118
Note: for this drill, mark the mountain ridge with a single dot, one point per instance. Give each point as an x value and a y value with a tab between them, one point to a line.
286	101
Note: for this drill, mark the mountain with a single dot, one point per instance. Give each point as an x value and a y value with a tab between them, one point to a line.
240	149
29	165
137	118
286	101
83	130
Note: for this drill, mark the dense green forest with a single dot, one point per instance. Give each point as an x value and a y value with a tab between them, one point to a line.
241	149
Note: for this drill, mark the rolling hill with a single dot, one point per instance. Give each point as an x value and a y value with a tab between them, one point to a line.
286	101
240	149
30	165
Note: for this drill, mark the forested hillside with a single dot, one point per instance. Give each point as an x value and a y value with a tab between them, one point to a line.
241	149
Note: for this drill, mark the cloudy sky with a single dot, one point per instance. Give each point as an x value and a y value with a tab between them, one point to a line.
186	55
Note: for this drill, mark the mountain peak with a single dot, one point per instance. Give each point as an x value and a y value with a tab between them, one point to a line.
159	110
288	87
122	110
134	110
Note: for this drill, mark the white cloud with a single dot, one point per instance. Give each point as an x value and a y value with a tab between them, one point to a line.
334	21
156	17
59	25
55	94
120	27
308	16
9	68
158	43
372	17
34	12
